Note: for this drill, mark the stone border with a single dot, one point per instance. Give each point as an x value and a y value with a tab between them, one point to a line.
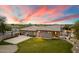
74	48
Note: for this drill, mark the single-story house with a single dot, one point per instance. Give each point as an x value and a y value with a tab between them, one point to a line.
42	31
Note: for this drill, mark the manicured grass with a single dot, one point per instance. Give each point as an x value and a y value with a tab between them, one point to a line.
39	45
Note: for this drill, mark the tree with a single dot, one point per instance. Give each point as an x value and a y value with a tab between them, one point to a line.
76	27
3	26
66	27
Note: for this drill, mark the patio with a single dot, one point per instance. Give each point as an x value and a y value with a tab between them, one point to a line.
18	39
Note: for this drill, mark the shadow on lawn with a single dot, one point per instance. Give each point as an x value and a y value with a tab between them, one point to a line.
5	43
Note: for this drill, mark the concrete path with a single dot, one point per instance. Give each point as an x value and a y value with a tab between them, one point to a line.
18	39
8	48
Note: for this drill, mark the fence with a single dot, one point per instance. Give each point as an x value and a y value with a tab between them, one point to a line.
8	35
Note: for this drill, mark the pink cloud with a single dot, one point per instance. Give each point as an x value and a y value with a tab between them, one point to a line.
64	18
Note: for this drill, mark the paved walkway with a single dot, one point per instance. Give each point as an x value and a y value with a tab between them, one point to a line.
8	48
18	39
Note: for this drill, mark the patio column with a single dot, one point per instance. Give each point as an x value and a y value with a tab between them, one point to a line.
38	34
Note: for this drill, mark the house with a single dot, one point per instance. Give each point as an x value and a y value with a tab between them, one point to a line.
49	31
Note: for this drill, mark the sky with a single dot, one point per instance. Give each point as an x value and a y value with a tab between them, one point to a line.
40	14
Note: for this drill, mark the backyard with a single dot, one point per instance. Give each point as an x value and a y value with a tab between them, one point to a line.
40	45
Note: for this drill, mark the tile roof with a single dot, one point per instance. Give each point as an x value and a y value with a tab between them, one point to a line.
50	28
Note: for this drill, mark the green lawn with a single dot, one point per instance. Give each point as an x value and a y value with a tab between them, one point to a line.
39	45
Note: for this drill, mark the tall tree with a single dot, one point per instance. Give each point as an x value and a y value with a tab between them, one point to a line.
3	26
